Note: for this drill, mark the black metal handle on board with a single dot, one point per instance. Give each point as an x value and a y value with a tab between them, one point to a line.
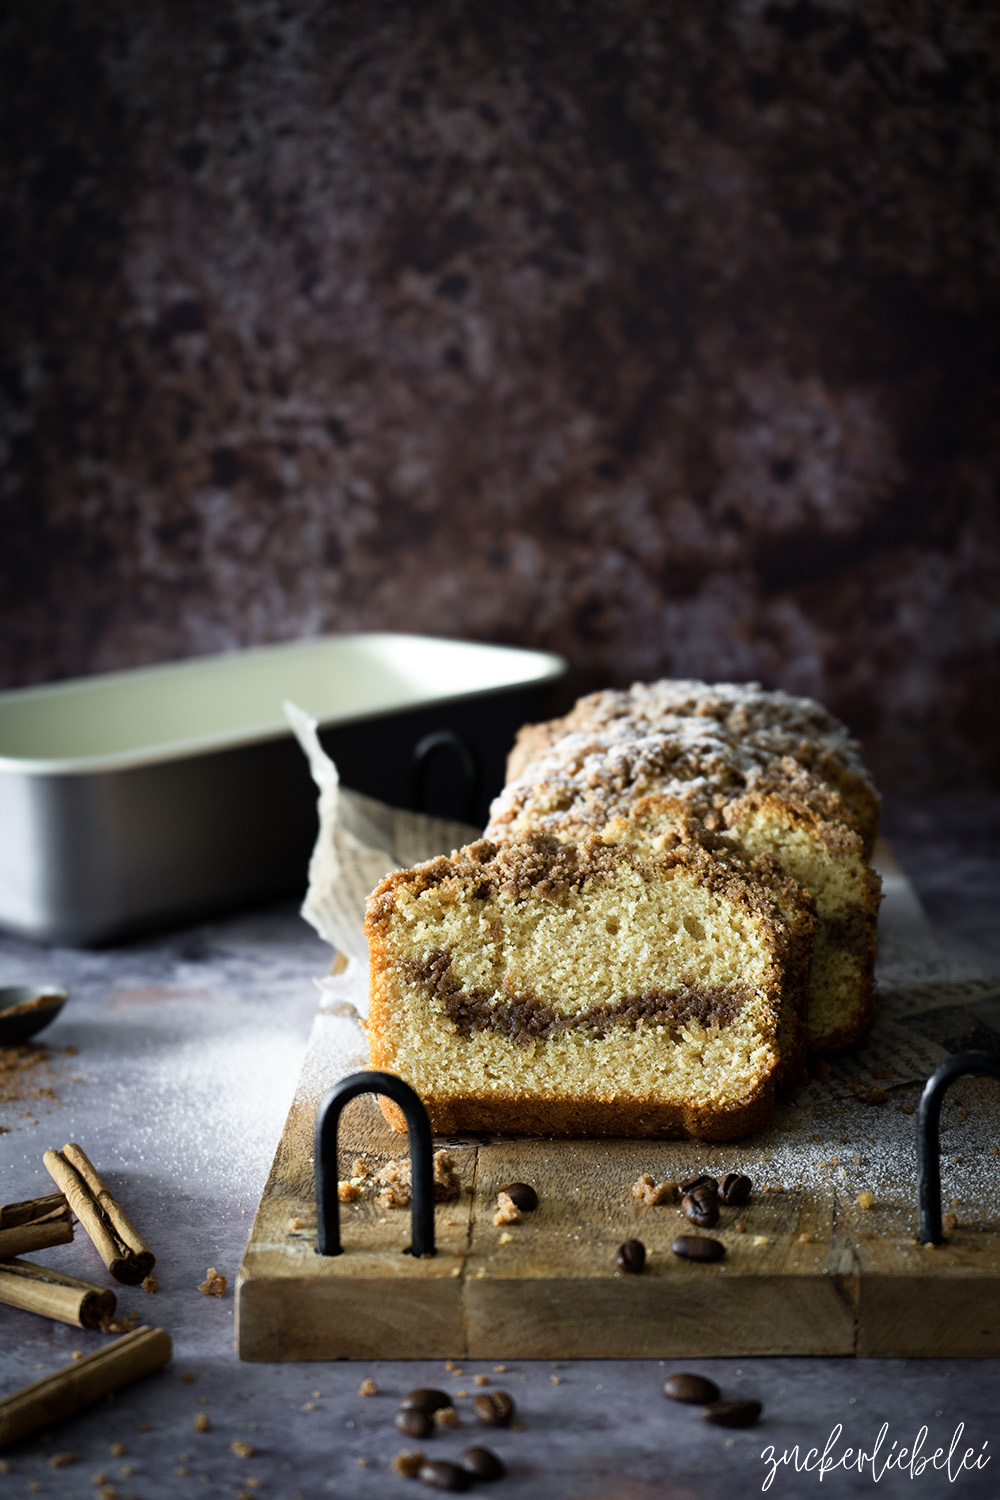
983	1064
421	1159
467	765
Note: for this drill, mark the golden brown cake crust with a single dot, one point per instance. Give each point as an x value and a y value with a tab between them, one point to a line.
588	1117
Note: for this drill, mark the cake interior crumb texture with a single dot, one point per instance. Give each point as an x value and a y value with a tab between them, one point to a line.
528	988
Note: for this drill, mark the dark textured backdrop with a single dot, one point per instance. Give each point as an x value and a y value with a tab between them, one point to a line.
661	334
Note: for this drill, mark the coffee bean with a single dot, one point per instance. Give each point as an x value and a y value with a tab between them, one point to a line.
425	1400
696	1247
522	1195
495	1408
699	1179
631	1257
735	1189
701	1206
691	1388
732	1413
414	1422
444	1475
482	1463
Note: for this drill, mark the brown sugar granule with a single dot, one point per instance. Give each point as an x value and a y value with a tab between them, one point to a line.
77	1354
242	1449
214	1284
950	1221
120	1325
368	1387
396	1182
4	1466
507	1210
150	1285
188	1377
118	1450
446	1416
480	1380
865	1199
201	1423
362	1463
739	1227
652	1193
407	1463
60	1460
805	1238
348	1192
871	1096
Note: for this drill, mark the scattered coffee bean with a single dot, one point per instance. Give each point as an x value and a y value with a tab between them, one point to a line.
701	1206
425	1400
495	1408
735	1189
696	1247
414	1422
732	1413
691	1388
522	1195
444	1475
699	1179
631	1257
482	1463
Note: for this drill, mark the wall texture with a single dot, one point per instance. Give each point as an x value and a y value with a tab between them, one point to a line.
662	335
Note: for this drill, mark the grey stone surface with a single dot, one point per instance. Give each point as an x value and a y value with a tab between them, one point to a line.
189	1045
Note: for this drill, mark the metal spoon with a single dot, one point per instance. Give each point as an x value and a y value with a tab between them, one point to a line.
25	1009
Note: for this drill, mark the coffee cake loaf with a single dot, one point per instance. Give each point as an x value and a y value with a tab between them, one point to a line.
744	712
589	987
770	803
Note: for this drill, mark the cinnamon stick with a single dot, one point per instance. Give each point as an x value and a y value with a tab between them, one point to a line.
120	1246
38	1289
77	1385
34	1224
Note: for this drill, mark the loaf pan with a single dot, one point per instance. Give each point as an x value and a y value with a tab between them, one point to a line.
140	799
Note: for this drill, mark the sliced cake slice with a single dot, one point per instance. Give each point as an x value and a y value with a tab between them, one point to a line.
771	804
553	988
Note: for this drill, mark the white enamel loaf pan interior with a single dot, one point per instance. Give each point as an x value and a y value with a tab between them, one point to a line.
136	799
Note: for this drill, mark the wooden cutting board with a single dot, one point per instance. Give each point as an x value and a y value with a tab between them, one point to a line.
811	1272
